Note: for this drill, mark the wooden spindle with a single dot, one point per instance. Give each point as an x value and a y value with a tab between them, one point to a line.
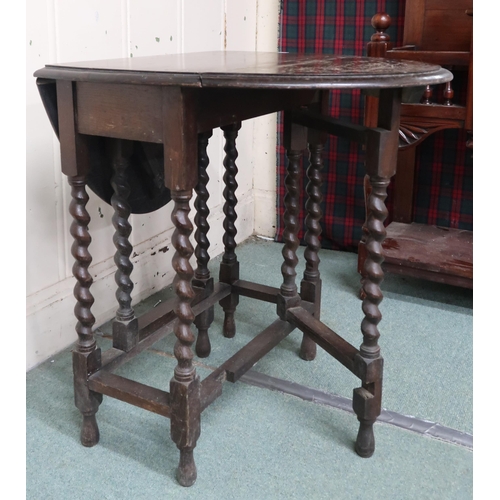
448	94
427	97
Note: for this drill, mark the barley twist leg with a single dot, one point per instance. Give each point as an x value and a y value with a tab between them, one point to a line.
229	269
311	282
202	277
289	296
185	385
125	326
367	399
86	356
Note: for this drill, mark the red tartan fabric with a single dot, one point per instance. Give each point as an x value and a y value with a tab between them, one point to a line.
444	165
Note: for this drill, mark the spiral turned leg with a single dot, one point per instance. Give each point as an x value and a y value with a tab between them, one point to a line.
202	277
362	253
185	385
367	399
289	295
86	356
229	269
125	326
310	289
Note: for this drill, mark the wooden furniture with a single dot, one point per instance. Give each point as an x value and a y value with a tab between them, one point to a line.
438	32
117	109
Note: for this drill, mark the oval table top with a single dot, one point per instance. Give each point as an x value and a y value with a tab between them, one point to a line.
253	70
223	69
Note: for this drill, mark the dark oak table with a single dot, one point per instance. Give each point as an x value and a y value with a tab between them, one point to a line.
136	132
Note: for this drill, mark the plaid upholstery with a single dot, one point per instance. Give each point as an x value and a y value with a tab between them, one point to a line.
444	180
444	165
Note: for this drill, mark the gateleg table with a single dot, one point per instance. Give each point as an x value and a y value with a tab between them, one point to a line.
136	132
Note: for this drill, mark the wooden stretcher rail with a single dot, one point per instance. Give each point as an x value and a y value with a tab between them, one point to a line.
333	126
156	317
211	388
159	316
257	348
236	366
256	291
129	391
113	360
326	338
454	112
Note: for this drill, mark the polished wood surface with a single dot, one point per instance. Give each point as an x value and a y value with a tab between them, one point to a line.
445	255
250	70
166	106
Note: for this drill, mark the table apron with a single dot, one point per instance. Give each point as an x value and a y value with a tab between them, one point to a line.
134	112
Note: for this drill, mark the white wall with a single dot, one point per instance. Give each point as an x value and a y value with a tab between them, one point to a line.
72	30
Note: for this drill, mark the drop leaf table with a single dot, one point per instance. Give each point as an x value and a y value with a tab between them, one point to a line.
135	131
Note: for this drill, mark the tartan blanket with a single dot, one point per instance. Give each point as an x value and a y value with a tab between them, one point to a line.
443	193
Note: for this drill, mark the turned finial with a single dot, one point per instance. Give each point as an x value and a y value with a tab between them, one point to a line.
381	23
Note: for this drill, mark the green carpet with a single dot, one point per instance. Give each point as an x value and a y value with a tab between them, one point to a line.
261	444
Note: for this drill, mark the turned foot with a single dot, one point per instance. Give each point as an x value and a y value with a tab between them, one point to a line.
366	406
229	327
203	322
365	442
186	472
203	346
229	304
89	435
307	349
